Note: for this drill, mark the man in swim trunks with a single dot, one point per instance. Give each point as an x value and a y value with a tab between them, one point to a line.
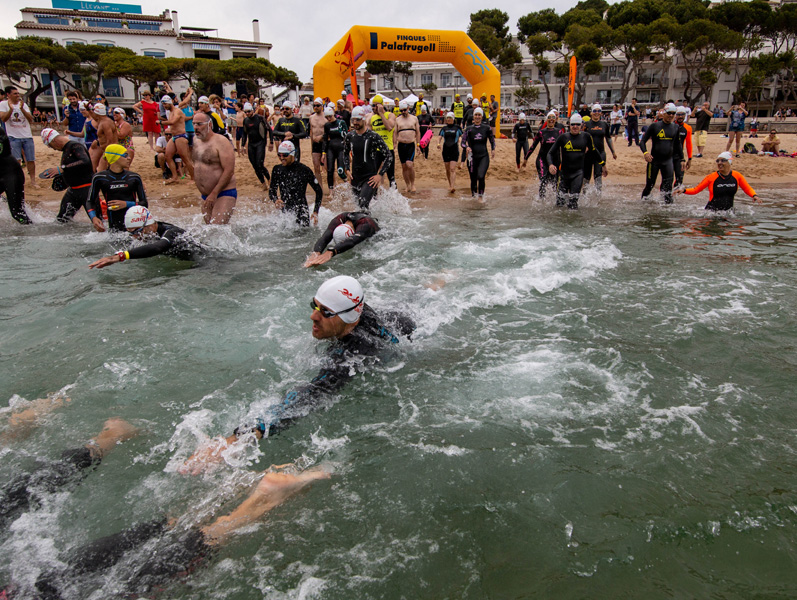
346	231
214	172
366	158
316	124
408	136
359	335
107	133
179	143
162	238
121	188
75	170
290	179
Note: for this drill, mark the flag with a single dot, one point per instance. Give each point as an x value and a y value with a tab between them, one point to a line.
572	85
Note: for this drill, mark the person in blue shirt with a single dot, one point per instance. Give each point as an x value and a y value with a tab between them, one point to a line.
74	118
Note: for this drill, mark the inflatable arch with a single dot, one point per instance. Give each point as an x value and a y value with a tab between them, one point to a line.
417	45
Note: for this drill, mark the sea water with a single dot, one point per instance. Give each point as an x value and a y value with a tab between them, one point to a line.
596	403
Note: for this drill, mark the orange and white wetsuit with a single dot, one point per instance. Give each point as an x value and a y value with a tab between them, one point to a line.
722	189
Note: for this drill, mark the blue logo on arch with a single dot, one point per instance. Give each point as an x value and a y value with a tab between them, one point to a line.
374	41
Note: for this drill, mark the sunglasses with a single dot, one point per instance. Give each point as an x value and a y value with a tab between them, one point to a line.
326	313
721	160
670	113
283	155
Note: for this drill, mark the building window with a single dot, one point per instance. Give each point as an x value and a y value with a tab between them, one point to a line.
459	80
427	78
47	20
730	76
724	96
143	26
105	44
111	87
409	80
445	100
46	84
155	53
445	80
78	80
75	42
386	82
506	78
104	23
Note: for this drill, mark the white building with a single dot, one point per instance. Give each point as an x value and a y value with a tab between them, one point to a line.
159	36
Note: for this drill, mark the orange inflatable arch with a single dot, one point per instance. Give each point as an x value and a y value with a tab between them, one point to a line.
362	43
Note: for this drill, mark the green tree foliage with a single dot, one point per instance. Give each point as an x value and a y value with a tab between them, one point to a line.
390	70
29	56
489	30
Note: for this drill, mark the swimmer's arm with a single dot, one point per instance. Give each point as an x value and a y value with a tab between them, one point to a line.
149	250
380	147
324	240
273	186
645	138
534	144
92	205
187	100
745	186
319	192
702	185
303	133
553	153
349	243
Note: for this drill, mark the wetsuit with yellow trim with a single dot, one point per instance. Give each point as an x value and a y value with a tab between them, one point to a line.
683	150
125	186
722	189
296	126
568	154
663	138
365	155
378	126
595	161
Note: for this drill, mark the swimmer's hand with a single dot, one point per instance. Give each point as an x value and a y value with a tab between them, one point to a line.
104	262
604	171
50	173
375	181
314	218
97	223
648	157
117	204
318	258
279	203
207	456
552	169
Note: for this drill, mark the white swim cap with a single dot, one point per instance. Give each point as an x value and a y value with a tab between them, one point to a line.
669	107
403	104
470	96
478	111
48	135
423	108
726	155
681	110
522	116
475	102
100	109
341	232
342	293
248	106
203	100
287	147
329	111
287	104
596	108
82	105
450	114
166	100
319	101
358	112
342	102
138	216
551	114
575	119
344	93
119	110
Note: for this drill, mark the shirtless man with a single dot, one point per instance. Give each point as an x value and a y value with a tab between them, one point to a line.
409	135
317	122
107	133
214	157
175	121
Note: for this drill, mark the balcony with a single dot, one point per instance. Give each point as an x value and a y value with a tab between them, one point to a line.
652	81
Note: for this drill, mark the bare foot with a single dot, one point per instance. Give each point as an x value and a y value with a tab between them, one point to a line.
172	181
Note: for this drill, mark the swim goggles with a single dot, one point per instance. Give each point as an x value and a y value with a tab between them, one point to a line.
325	312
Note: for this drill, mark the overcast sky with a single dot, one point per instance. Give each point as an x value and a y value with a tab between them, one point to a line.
302	32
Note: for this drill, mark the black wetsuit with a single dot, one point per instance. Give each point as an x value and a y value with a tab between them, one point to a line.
467	121
364	156
375	333
451	135
595	160
334	134
126	186
663	137
345	116
632	118
292	182
679	155
12	181
521	132
568	155
364	227
546	137
425	123
258	132
295	126
476	138
172	242
77	172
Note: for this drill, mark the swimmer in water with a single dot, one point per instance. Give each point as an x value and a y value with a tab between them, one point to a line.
475	140
346	231
366	158
723	185
76	172
121	188
214	171
545	137
162	238
567	158
316	124
289	181
662	136
358	334
408	134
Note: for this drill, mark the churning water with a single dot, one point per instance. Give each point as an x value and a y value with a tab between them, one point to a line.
596	403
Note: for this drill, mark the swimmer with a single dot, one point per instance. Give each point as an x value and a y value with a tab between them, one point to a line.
120	187
162	238
384	124
474	140
316	124
662	135
289	181
723	185
595	162
335	130
12	181
450	134
176	121
682	155
107	133
357	333
545	138
124	131
345	231
290	128
76	172
425	122
214	160
521	133
366	158
408	134
257	133
567	157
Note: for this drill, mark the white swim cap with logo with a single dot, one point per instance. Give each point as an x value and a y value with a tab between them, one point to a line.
478	111
521	117
286	147
138	216
248	107
575	119
341	232
329	111
597	108
358	112
48	135
100	109
342	293
726	155
681	110
403	104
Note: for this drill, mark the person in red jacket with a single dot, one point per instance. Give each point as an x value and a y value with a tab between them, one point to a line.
723	185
